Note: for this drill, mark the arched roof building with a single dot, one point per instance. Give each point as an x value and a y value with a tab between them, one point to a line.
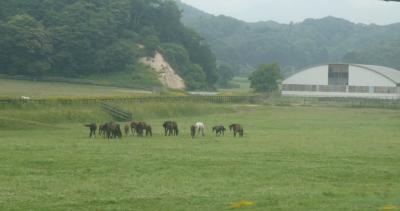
344	80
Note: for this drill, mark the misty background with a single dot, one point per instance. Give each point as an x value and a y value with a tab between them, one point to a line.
297	34
285	11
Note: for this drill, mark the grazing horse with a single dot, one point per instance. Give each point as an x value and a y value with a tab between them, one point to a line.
192	131
237	128
133	127
200	127
148	130
102	129
143	126
92	127
219	130
126	128
171	128
113	130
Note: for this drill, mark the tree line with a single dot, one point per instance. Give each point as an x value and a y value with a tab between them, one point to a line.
294	46
76	38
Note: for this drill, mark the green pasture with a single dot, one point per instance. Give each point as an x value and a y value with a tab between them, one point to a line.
291	158
35	89
241	85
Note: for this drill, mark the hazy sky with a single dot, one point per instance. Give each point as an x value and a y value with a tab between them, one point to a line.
284	11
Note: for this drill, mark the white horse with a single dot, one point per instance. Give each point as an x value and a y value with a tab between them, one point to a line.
200	128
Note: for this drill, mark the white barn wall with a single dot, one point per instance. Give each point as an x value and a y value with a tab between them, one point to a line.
362	77
359	76
312	76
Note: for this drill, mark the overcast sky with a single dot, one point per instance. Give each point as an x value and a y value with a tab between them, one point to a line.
284	11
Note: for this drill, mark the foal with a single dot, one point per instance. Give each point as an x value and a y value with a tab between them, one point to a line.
219	130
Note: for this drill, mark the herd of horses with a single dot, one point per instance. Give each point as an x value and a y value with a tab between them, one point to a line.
112	130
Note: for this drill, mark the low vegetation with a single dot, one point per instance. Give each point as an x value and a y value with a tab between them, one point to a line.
35	89
291	158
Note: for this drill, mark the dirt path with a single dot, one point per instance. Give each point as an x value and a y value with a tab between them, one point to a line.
166	74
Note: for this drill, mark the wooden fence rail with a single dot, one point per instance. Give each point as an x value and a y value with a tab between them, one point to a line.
207	99
116	112
343	102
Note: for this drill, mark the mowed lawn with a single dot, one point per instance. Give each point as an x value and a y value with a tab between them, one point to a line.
16	88
291	158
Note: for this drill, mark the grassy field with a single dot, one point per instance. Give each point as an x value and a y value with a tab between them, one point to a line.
243	84
291	158
16	88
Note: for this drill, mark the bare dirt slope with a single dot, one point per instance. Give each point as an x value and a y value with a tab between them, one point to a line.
166	73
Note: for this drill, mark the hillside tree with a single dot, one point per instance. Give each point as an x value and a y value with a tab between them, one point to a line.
266	78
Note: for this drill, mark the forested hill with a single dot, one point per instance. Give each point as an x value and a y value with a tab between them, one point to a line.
296	45
76	38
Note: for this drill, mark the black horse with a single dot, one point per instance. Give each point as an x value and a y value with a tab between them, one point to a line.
171	128
219	130
237	129
192	131
102	129
92	127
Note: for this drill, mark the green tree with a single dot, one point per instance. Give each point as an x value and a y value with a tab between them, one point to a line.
76	38
25	46
265	78
225	74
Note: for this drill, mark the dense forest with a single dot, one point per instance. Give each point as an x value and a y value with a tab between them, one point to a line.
297	45
74	38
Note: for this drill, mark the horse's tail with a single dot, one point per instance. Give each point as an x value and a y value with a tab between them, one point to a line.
88	125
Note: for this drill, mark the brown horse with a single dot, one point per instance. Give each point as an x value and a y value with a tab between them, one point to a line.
219	130
126	128
237	129
171	128
143	126
92	127
133	127
113	130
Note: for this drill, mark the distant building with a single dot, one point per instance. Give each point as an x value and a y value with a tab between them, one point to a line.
344	80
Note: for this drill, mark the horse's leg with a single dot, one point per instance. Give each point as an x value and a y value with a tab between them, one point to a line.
134	131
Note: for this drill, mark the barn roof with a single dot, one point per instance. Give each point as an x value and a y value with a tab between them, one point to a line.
387	72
